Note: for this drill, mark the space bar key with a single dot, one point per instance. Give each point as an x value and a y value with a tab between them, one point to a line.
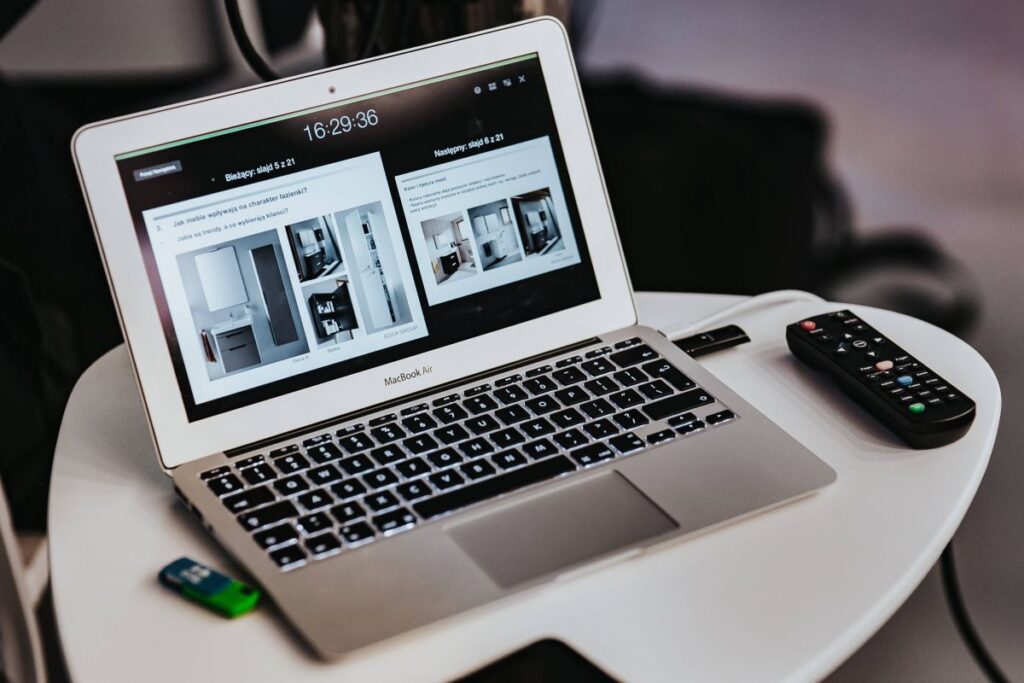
485	490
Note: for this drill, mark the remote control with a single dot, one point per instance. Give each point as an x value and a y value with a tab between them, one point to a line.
913	401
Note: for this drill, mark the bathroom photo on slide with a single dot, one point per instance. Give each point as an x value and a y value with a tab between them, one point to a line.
495	235
450	248
535	218
371	267
243	307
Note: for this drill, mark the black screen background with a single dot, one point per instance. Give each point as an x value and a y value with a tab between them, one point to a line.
413	123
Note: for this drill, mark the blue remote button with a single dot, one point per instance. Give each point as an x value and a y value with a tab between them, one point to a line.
905	380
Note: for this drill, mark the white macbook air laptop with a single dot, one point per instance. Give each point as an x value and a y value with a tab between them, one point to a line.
386	341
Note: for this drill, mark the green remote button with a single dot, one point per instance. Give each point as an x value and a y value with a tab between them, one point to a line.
916	408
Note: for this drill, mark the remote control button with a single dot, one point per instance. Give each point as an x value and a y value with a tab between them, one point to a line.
904	380
824	338
859	344
916	408
883	365
809	325
841	350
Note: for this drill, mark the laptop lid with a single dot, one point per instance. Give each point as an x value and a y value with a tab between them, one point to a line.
290	252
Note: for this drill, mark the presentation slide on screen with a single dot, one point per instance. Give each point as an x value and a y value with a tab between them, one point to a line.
280	277
487	220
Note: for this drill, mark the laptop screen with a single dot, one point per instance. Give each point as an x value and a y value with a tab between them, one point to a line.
291	251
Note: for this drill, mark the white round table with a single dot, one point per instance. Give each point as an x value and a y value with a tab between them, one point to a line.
788	594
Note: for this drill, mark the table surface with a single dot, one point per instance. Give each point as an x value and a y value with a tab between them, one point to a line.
787	594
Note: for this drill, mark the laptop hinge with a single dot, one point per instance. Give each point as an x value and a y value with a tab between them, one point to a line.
324	424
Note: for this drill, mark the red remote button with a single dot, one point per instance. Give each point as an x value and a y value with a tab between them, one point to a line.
809	325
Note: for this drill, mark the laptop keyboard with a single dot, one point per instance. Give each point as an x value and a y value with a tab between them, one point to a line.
332	492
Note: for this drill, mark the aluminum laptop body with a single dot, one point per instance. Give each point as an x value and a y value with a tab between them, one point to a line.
385	338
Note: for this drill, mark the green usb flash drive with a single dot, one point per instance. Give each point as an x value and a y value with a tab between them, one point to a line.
209	588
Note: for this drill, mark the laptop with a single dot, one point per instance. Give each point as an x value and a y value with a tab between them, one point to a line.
386	343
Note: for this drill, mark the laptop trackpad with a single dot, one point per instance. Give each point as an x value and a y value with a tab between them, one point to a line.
559	528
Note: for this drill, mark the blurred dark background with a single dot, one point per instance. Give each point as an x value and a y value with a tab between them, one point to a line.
871	152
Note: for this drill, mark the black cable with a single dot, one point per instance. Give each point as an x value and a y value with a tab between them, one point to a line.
252	57
951	587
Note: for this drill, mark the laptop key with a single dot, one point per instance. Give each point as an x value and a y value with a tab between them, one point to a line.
655	389
251	460
354	443
420	444
289	485
505	381
257	474
541	448
633	355
570	417
412	410
477	390
380	478
347	512
324	474
495	486
290	464
414	490
598	366
357	464
314	523
221	486
626	343
677	420
350	429
289	557
290	448
316	440
630	377
276	535
542	405
510	394
482	424
393	521
244	500
480	404
449	434
477	469
350	488
512	414
568	361
537	427
571	395
509	459
357	534
315	499
267	515
631	419
215	472
601	386
387	433
328	451
413	467
450	413
567	376
626	399
419	423
507	437
475	447
540	385
540	370
601	429
385	455
673	405
383	419
444	458
662	369
380	501
626	443
597	408
446	479
660	437
570	439
592	454
690	427
445	400
323	545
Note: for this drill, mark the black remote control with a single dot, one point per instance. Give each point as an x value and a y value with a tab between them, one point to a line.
918	405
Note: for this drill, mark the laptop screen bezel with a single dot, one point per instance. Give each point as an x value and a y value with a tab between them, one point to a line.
178	440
